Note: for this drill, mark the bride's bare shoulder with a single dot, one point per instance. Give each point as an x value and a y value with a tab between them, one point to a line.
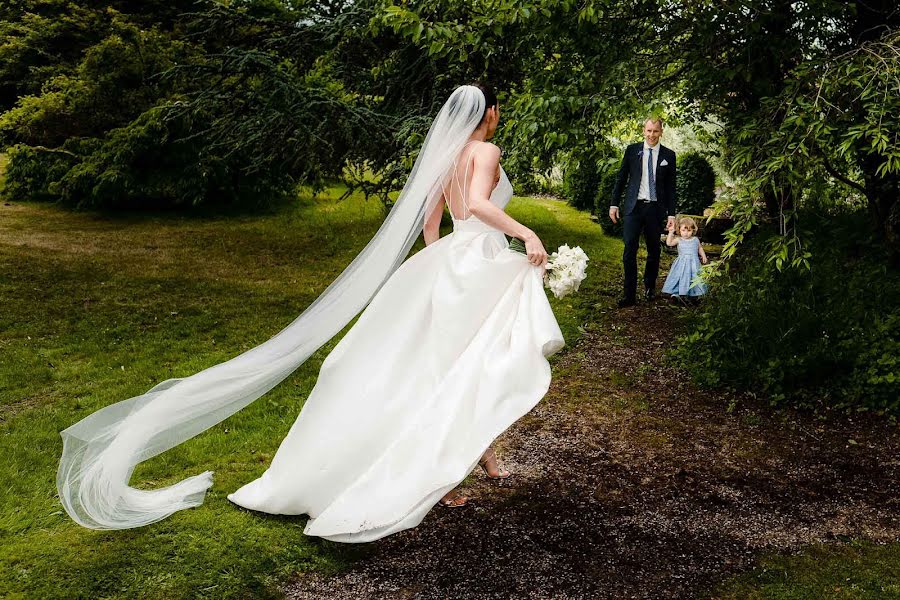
486	151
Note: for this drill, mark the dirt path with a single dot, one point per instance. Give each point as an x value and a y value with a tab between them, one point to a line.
630	483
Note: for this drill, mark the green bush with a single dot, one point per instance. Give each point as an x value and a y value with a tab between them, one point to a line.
148	164
582	181
827	337
604	198
695	184
31	173
529	181
876	378
115	81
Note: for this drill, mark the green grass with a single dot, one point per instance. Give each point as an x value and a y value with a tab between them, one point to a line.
97	308
857	570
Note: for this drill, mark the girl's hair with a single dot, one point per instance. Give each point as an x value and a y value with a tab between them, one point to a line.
689	222
490	97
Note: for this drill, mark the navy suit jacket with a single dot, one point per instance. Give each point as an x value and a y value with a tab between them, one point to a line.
630	175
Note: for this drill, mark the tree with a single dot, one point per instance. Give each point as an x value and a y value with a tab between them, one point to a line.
156	107
795	84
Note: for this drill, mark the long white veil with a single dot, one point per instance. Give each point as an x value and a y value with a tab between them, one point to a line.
101	451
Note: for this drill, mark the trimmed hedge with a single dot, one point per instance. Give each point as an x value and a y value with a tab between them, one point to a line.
603	200
695	186
582	182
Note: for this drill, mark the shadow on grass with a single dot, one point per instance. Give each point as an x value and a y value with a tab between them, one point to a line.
97	307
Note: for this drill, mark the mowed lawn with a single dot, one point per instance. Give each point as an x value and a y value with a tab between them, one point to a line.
98	308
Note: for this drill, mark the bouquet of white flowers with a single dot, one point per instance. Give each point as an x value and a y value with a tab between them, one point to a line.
565	268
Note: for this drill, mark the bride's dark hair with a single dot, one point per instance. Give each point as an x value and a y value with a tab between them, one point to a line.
490	98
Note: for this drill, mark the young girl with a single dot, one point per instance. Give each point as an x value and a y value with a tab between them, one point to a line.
687	265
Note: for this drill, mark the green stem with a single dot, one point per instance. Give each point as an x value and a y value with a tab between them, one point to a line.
517	245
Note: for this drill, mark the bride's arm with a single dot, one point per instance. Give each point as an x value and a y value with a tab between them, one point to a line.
487	160
431	230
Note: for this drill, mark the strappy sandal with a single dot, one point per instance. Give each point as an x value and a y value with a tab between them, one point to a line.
503	473
457	501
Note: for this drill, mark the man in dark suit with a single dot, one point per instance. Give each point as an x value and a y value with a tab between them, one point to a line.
647	176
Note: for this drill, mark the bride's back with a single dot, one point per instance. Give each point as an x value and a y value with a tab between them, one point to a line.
458	181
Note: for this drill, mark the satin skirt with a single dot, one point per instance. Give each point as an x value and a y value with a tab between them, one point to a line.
450	352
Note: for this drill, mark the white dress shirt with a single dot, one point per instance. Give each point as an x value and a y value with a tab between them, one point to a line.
644	189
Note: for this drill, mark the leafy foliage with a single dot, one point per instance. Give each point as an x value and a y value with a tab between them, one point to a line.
148	116
582	181
589	185
836	120
569	69
30	172
823	337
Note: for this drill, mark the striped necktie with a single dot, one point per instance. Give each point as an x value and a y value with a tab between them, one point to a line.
651	175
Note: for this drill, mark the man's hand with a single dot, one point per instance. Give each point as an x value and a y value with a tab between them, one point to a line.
614	213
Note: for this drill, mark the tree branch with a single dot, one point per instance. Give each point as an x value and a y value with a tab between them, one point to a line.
54	150
843	179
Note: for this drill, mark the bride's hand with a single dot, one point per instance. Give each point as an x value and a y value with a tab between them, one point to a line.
535	251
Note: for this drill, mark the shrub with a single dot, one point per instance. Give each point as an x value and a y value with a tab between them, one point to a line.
582	182
147	164
604	198
30	173
530	181
876	378
828	336
695	184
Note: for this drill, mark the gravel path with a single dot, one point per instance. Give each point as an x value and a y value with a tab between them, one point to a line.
628	482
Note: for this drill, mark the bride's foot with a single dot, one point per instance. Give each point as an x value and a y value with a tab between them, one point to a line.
453	499
490	465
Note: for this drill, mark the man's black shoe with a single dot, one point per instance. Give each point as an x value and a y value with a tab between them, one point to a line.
625	302
649	294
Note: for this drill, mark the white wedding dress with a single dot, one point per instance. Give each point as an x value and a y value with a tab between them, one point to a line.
448	354
449	350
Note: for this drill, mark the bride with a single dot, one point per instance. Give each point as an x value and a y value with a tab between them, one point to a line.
450	351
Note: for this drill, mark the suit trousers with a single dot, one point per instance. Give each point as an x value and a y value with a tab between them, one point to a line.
644	218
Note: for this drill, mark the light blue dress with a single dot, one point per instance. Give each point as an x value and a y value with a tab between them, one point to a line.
684	269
